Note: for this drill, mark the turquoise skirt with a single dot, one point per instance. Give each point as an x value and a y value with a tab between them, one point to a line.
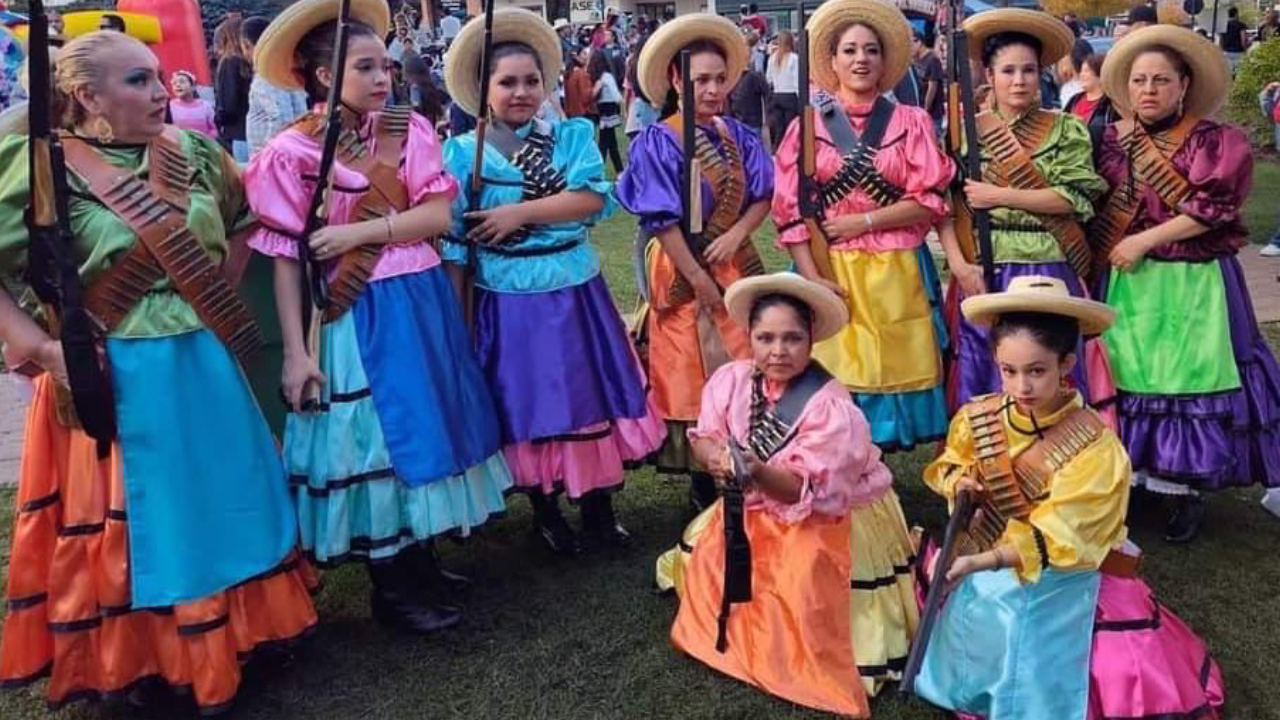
351	494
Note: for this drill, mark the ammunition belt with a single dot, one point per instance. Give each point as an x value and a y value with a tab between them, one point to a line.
858	170
156	212
1150	164
540	178
1010	149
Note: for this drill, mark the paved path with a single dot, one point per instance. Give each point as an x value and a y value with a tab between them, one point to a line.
1260	273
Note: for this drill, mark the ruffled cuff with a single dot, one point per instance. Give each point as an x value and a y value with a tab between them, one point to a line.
932	200
657	222
442	184
1081	204
273	243
796	512
1031	546
1210	211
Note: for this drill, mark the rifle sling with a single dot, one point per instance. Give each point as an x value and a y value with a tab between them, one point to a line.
1010	149
156	212
1150	165
857	169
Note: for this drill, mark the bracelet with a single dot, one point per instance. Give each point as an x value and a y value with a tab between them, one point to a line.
386	219
867	218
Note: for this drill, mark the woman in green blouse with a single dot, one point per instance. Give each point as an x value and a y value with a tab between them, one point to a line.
166	552
1038	184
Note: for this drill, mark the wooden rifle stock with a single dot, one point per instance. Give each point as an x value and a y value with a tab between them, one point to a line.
976	223
808	192
477	168
961	514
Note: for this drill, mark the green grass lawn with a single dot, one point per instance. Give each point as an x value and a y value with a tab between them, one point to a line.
551	639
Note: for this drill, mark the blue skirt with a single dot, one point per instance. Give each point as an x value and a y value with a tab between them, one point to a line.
206	494
406	447
1005	650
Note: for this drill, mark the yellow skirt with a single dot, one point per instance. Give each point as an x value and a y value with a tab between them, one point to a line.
889	345
882	602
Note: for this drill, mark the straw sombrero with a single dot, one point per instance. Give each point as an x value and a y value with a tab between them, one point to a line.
462	62
1055	37
1210	74
665	43
274	55
829	312
833	17
1039	294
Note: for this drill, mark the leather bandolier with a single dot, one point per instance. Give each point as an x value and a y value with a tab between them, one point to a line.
727	177
386	195
1150	165
534	158
857	168
1011	148
156	210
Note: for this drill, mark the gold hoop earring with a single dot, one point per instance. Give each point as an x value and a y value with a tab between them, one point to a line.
102	130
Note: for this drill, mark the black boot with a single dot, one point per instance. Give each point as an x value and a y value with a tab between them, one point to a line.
551	526
1188	515
599	521
396	604
702	491
434	581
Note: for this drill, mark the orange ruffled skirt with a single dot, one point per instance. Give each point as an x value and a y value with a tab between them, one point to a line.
68	587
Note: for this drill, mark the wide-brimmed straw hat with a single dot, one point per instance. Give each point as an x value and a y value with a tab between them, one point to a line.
829	312
462	63
560	24
1210	73
833	17
665	43
1039	294
1055	37
274	56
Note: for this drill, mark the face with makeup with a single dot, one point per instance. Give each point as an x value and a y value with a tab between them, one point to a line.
366	83
710	75
1014	75
781	341
516	90
858	61
1031	373
129	94
1157	86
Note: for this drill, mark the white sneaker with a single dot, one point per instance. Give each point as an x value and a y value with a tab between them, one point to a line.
1271	249
1271	501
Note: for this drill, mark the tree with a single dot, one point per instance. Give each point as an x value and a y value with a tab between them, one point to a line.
1086	8
1259	67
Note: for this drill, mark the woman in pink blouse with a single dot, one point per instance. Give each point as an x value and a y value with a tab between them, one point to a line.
188	111
879	173
831	599
403	443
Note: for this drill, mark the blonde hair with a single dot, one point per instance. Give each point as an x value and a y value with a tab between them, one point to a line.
786	45
79	65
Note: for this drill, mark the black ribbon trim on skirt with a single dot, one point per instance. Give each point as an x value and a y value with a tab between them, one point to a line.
341	483
20	682
577	437
361	547
285	567
1151	623
85	529
118	515
41	503
1196	713
201	628
29	601
892	665
884	580
1042	546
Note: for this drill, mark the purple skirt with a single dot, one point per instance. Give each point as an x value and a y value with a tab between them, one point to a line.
1218	440
557	361
973	370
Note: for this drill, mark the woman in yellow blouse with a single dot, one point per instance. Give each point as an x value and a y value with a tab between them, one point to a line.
1048	618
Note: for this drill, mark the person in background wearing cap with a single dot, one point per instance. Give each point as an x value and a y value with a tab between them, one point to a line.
271	109
564	29
1036	228
1049	617
402	445
1199	399
819	512
1141	16
555	352
890	355
687	331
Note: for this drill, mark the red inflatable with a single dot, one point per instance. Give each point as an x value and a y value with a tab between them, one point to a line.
182	44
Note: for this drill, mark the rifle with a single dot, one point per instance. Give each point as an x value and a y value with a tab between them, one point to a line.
961	514
737	546
973	226
314	278
477	167
691	177
52	272
808	191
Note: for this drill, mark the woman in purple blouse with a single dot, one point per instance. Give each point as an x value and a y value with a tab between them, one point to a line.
1199	391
